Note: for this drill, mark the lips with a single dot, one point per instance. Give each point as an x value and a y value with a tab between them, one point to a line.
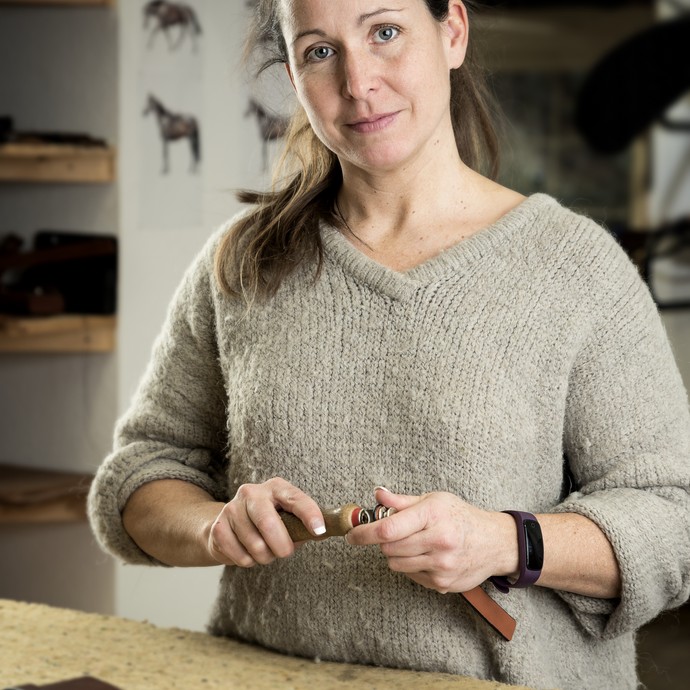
375	123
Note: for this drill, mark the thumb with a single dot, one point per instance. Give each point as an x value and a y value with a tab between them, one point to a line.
398	501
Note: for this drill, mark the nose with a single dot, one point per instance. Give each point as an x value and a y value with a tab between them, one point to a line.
360	74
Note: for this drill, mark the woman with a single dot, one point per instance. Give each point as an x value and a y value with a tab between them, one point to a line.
388	315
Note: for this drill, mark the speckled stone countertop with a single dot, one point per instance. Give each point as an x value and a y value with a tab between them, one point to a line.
42	644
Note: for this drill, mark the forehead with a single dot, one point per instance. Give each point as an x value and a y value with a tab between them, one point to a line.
294	14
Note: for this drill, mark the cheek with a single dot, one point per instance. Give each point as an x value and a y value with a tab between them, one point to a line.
319	99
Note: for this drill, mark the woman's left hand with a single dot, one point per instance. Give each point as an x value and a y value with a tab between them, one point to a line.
442	542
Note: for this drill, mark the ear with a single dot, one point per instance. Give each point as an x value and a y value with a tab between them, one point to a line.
289	73
458	30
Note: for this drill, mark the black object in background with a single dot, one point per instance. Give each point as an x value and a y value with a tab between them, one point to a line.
78	268
508	4
88	284
633	86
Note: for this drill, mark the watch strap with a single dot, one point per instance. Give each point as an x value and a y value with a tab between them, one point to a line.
526	577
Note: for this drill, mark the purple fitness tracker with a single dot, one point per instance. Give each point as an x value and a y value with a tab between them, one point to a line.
531	552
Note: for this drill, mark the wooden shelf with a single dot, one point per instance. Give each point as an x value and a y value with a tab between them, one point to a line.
56	163
57	334
40	496
58	2
560	39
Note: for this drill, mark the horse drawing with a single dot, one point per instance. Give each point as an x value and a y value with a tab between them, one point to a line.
174	126
168	14
271	127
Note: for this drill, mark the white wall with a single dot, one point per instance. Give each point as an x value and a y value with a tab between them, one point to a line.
670	201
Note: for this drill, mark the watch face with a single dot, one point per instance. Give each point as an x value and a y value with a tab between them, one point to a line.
535	545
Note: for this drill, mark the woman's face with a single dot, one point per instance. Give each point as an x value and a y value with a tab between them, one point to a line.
373	75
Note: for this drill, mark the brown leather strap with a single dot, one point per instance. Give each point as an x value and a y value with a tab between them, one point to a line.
496	616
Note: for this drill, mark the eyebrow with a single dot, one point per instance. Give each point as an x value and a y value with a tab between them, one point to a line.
362	18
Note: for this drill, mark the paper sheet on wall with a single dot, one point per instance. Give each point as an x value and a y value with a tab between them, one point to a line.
170	137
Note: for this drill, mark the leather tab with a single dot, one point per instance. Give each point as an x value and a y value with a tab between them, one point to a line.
494	614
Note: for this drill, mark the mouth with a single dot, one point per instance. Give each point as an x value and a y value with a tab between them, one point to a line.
374	123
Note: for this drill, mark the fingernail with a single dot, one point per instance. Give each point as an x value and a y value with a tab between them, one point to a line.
383	488
318	528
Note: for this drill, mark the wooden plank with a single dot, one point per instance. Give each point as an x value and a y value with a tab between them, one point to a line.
561	39
56	163
640	183
40	496
58	2
57	334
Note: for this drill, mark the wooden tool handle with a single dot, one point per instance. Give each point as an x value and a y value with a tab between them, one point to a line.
338	523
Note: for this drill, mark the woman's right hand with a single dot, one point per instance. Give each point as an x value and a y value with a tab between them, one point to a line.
248	530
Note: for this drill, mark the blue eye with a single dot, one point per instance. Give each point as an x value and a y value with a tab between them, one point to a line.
386	34
319	53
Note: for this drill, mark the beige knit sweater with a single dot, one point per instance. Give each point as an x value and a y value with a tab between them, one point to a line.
475	373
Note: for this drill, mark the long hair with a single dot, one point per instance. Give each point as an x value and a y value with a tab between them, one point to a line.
282	229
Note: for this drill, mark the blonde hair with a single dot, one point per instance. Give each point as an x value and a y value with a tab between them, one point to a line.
282	230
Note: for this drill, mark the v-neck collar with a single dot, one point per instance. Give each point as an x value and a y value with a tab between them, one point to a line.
401	285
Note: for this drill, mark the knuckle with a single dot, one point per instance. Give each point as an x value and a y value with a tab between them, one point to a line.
256	547
228	516
245	561
388	530
244	490
293	496
439	583
391	561
444	562
445	541
264	522
277	484
284	549
264	558
289	493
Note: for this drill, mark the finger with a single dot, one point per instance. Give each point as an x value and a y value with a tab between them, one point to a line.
411	565
295	501
255	543
414	545
226	548
393	500
394	528
423	579
375	533
241	513
257	522
264	534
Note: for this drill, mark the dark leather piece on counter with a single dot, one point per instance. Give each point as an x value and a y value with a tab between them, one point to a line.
83	683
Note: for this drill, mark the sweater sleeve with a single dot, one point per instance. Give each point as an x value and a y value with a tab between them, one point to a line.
627	440
175	427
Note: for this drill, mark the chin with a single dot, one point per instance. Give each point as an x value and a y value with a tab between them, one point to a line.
381	161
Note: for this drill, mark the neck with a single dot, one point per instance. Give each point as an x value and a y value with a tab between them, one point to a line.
403	217
378	205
